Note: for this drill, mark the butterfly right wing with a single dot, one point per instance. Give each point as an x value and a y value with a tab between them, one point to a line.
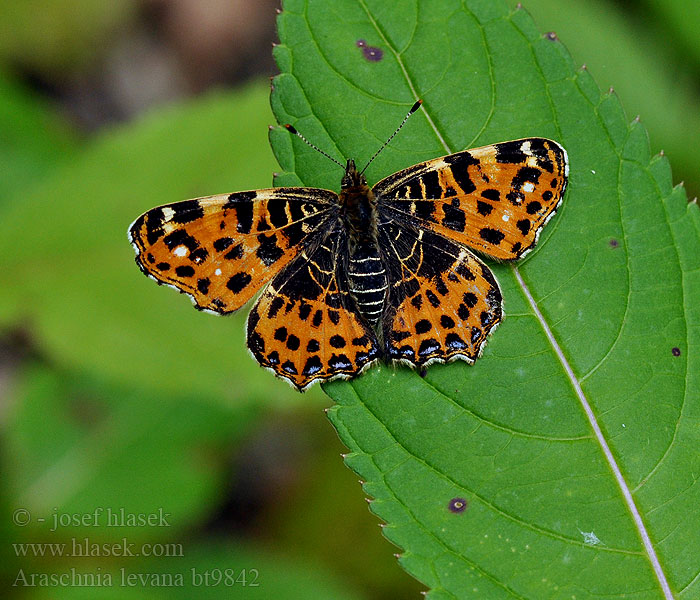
221	250
495	199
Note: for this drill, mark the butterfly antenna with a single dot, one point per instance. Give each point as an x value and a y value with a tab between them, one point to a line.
291	129
414	108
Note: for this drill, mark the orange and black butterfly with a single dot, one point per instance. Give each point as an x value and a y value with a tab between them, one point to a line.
369	273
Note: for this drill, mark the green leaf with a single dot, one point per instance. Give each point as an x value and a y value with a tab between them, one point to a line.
630	53
59	34
79	445
33	140
68	269
683	20
573	439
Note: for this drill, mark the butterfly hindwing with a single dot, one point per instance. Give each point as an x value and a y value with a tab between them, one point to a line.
305	325
221	250
495	199
445	300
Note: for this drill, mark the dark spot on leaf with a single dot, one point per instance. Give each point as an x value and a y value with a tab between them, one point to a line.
614	243
676	351
371	53
457	505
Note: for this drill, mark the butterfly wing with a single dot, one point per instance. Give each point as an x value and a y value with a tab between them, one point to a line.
221	250
305	325
444	300
495	199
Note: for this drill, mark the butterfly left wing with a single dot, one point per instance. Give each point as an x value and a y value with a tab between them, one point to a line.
221	250
495	199
445	301
305	325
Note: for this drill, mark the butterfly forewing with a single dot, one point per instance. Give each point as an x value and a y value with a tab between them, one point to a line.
495	199
221	250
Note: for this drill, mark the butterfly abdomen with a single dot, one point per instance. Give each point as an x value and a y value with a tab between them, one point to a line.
367	280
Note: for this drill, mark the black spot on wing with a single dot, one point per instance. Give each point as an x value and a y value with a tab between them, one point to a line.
238	282
242	205
304	311
524	175
268	251
431	183
293	342
184	271
203	285
428	347
234	253
534	206
313	365
483	208
184	212
180	238
275	306
491	194
337	341
539	149
154	225
454	342
276	208
454	218
492	236
339	362
510	152
460	164
222	243
524	226
423	326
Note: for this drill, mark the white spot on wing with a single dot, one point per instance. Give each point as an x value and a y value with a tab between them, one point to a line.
506	217
180	251
529	186
217	272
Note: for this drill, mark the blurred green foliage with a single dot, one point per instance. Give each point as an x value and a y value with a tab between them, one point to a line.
58	35
133	399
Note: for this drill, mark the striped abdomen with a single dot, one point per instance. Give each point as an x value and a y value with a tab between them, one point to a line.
367	281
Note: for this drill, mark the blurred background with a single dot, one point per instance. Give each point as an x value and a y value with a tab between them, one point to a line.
132	424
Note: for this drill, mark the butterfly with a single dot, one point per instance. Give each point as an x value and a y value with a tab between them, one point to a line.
346	279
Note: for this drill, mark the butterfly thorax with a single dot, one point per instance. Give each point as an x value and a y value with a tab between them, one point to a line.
366	274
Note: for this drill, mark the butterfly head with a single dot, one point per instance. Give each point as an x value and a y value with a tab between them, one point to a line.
352	179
